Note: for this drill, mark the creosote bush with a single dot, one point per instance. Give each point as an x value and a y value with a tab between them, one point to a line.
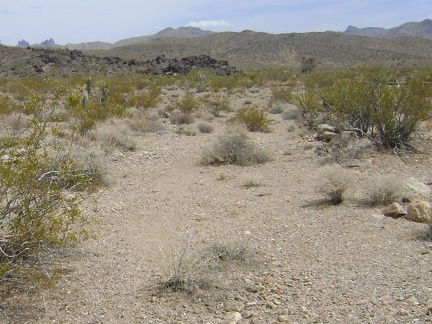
187	105
255	119
216	104
41	188
234	148
377	105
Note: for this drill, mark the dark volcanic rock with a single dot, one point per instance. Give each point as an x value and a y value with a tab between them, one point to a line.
18	61
162	65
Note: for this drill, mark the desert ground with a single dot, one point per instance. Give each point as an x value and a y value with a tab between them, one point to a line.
297	259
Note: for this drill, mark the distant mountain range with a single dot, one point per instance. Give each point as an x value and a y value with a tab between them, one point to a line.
418	29
421	29
181	32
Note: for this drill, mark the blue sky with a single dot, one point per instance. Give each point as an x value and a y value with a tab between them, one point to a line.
112	20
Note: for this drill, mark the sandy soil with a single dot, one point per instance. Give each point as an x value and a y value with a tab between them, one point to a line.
309	262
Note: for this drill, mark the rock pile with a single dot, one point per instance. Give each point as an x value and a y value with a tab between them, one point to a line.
161	65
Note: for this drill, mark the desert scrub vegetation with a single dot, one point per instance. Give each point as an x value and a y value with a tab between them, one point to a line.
378	105
255	119
216	103
310	108
383	190
336	183
113	133
234	148
41	188
187	105
197	267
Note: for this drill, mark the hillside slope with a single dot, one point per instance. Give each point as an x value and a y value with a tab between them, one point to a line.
252	49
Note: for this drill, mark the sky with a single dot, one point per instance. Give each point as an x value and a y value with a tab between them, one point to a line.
80	21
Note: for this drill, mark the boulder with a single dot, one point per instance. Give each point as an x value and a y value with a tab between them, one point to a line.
419	211
394	210
327	136
326	132
417	188
326	128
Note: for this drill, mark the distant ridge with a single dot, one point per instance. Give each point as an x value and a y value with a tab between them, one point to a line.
421	29
181	32
46	43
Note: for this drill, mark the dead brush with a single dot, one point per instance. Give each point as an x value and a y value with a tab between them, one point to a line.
336	183
195	268
383	190
234	148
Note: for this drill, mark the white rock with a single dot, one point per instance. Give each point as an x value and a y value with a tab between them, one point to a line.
234	317
416	187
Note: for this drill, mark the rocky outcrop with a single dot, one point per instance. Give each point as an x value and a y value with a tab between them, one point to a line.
161	65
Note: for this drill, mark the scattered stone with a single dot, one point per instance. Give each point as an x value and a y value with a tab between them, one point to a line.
282	318
326	128
234	317
419	211
327	136
288	152
394	210
326	132
416	187
252	289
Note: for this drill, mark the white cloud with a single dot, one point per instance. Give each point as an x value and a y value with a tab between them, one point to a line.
208	24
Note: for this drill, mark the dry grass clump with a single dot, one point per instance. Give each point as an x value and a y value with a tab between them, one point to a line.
383	190
205	128
114	133
141	122
180	118
234	148
195	267
336	183
291	113
249	183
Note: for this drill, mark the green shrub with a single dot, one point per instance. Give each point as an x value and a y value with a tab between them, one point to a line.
39	194
375	105
216	104
280	94
255	119
72	100
310	108
187	105
234	148
148	98
7	105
